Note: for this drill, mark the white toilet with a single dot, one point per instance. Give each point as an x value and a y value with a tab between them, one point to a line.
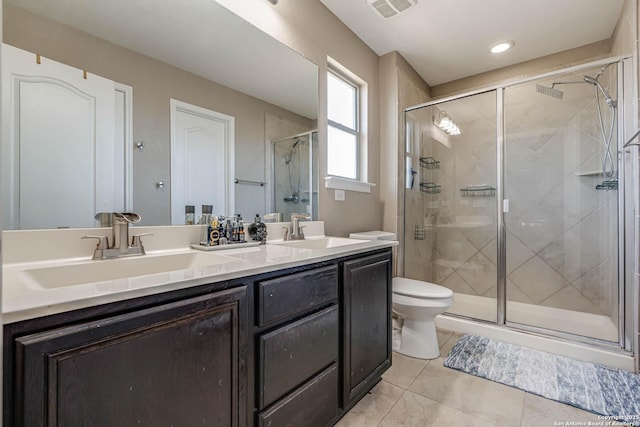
417	303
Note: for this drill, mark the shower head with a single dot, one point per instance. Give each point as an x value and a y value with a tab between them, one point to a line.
550	90
289	156
555	93
594	81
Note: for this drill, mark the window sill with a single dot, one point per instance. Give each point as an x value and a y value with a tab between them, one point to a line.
338	183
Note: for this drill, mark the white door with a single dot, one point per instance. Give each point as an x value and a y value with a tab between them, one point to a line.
57	143
202	160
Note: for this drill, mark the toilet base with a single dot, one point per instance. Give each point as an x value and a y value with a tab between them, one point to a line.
418	339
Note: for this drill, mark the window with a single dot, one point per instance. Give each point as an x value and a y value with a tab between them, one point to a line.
343	136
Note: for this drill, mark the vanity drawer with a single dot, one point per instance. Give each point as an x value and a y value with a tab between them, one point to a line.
285	296
313	404
292	354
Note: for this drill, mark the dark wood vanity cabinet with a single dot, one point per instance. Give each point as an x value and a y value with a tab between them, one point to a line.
331	342
366	293
180	363
295	347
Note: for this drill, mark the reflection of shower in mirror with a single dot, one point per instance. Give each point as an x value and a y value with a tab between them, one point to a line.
294	166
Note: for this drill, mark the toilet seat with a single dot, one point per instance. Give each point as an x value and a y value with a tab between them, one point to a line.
419	289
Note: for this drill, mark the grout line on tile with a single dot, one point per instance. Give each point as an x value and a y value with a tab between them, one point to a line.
393	406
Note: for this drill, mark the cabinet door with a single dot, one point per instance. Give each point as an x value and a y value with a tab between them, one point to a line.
177	364
367	323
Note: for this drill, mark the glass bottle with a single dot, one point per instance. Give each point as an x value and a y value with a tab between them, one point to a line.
189	214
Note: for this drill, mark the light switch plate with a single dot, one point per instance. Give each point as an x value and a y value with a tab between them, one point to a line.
340	195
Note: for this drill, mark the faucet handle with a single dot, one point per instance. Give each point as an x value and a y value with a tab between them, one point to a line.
103	241
285	237
136	241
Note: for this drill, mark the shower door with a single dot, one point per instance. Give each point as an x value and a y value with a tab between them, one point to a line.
561	184
450	201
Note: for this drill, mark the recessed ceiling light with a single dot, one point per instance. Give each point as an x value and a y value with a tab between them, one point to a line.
501	46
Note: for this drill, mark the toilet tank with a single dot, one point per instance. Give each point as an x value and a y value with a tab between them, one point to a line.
373	235
379	235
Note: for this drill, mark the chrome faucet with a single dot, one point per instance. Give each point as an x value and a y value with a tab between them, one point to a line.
120	246
295	232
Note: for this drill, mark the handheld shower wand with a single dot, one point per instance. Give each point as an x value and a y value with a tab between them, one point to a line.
608	164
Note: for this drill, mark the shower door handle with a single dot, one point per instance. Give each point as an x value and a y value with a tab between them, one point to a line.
505	206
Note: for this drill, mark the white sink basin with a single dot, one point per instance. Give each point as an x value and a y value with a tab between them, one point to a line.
120	268
321	243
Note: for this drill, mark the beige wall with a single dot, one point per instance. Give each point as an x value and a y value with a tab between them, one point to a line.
312	30
154	83
400	87
625	37
556	61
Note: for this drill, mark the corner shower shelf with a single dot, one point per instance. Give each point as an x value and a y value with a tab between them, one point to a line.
429	163
430	187
420	232
589	172
478	191
611	184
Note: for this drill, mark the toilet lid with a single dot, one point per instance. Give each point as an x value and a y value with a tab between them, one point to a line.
419	289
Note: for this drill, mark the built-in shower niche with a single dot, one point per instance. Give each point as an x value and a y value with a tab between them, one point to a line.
294	166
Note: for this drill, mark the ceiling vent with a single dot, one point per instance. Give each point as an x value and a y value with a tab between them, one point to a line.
389	8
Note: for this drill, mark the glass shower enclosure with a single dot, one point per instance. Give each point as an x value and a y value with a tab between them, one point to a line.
514	200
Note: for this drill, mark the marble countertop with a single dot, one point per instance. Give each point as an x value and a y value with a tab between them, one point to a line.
50	286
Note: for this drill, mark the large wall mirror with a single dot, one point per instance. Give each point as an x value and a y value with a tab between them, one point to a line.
239	93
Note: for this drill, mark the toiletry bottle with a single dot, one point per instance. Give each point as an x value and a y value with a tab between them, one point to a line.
222	232
205	222
214	233
229	230
189	214
236	228
241	236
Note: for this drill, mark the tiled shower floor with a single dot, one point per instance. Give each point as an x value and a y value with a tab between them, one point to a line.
417	392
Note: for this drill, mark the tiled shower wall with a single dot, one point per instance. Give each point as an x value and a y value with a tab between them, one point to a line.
561	231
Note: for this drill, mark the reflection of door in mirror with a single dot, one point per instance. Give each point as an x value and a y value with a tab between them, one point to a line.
59	159
202	158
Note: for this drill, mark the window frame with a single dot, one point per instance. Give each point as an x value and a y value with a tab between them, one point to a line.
356	131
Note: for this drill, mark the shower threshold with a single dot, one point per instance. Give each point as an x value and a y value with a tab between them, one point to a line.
597	326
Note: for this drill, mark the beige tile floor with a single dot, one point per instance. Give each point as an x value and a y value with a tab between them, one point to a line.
419	393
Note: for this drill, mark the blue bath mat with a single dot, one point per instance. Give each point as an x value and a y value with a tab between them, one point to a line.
595	388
